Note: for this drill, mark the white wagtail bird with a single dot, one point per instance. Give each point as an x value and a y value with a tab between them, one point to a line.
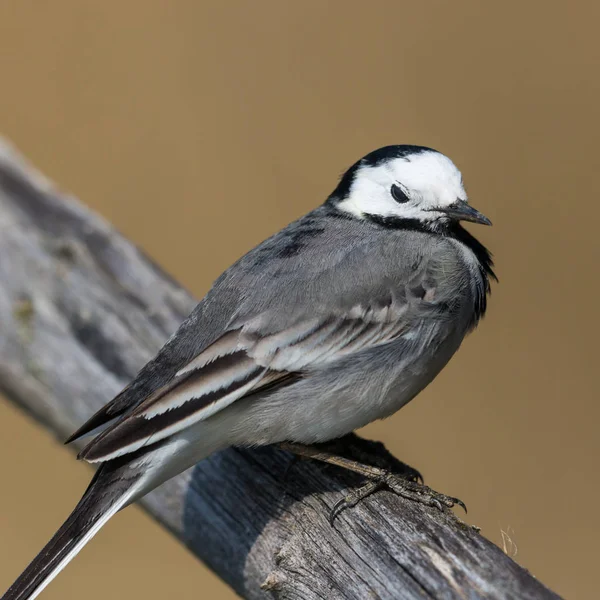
337	320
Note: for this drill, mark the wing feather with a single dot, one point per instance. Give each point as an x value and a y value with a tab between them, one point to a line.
242	362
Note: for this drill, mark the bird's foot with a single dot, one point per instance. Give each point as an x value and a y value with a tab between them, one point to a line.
398	484
390	473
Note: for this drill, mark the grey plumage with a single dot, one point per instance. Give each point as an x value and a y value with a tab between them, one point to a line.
339	319
280	291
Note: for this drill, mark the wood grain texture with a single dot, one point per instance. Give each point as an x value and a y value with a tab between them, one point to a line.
82	309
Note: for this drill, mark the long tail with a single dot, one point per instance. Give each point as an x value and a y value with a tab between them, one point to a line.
110	490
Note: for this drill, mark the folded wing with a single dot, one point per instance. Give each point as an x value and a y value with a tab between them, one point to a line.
246	359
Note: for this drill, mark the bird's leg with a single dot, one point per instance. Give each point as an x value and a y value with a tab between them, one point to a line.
369	452
403	481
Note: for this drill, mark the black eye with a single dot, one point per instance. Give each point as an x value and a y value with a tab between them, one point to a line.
398	194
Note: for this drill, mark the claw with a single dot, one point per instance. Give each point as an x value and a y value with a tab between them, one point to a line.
436	503
353	498
414	475
338	507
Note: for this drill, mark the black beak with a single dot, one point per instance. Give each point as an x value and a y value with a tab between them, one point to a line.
461	211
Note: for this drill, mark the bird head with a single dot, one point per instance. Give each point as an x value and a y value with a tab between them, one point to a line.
396	185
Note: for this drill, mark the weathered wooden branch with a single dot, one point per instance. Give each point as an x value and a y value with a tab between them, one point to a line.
82	309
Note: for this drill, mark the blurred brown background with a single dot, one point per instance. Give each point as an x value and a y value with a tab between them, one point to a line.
200	128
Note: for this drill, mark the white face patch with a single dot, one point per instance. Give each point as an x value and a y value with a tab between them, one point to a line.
429	179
